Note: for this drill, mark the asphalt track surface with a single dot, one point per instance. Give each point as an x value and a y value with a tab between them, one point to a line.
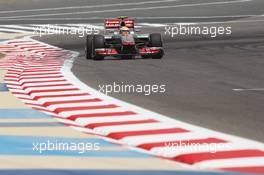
200	73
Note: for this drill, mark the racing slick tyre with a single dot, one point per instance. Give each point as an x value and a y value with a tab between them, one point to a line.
89	47
159	55
98	42
155	40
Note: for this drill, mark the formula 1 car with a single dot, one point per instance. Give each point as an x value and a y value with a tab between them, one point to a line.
121	40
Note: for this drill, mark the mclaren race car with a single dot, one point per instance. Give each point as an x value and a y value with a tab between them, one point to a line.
122	40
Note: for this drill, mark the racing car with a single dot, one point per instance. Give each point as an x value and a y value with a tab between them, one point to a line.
122	40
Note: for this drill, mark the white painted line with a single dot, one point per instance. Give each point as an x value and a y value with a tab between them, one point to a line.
144	127
81	104
252	89
30	101
231	22
129	9
23	96
86	121
153	25
48	88
138	140
89	6
92	111
43	84
38	76
40	80
14	30
35	29
81	97
195	17
14	86
20	27
185	23
16	90
48	72
57	93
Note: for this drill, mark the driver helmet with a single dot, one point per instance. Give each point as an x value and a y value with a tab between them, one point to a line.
124	30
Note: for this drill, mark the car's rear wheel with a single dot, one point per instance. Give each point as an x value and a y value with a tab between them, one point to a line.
98	43
155	40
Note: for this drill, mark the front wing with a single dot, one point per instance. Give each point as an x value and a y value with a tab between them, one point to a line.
141	51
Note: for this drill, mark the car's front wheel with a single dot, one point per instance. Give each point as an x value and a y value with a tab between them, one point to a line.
155	40
98	43
89	47
158	55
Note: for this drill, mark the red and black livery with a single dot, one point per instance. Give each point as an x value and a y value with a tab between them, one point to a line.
127	45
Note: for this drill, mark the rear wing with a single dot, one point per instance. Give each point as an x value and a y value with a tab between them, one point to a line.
117	23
